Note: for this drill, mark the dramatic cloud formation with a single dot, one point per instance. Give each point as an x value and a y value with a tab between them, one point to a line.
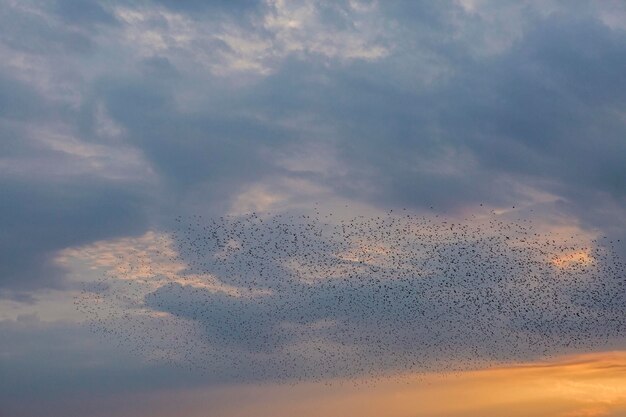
116	117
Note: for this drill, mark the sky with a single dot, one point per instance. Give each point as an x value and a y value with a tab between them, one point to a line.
119	117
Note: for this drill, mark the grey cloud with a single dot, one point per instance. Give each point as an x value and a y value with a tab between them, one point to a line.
535	110
84	13
43	212
462	107
18	100
190	148
470	299
428	322
63	369
193	6
27	31
39	219
159	67
532	112
542	112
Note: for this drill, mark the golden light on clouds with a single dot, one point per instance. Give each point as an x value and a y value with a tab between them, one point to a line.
150	258
574	258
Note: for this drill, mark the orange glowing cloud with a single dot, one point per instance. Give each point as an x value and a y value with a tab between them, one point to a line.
581	257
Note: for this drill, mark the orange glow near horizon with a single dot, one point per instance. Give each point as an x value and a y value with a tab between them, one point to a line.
586	385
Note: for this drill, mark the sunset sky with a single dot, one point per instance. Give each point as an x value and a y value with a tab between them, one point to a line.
118	117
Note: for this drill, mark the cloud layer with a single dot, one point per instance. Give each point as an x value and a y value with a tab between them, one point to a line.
118	116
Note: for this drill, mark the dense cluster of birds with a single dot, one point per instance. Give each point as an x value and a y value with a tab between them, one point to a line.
316	296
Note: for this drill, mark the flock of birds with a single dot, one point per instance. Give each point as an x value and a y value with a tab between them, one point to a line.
314	296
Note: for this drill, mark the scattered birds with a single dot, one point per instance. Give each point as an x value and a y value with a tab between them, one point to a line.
312	296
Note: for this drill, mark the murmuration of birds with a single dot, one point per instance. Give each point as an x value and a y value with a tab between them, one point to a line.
312	296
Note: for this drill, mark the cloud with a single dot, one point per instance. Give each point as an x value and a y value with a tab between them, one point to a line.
71	363
256	40
83	12
297	300
115	118
37	221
